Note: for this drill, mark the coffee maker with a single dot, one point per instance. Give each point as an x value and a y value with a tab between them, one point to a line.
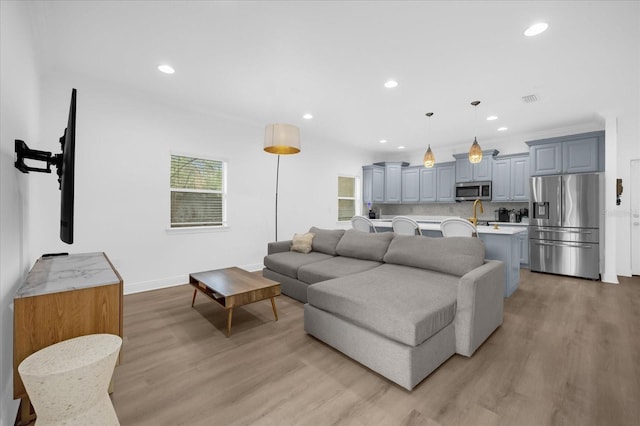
502	215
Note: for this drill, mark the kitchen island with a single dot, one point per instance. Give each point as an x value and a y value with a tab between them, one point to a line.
500	244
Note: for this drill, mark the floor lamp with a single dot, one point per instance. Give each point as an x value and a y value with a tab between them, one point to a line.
281	139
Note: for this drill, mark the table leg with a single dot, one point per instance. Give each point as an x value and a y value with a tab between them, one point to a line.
229	316
194	297
26	416
275	311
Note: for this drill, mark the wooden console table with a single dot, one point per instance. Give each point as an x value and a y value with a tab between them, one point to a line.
63	297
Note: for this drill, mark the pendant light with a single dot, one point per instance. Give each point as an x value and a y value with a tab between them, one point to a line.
429	158
475	153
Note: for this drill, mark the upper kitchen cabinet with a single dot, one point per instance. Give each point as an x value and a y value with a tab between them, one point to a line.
567	154
520	173
437	183
583	154
511	178
482	171
382	182
446	173
373	184
428	184
393	181
411	184
546	159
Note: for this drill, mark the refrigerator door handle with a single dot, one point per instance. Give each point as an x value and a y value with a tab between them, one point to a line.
540	243
566	231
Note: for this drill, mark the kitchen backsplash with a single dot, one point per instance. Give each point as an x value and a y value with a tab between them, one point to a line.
462	209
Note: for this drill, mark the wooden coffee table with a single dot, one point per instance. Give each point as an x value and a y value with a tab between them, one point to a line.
233	287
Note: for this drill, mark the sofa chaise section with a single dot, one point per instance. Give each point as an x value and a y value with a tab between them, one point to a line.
433	297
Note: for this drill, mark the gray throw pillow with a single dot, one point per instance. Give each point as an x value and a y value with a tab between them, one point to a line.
364	245
326	240
452	255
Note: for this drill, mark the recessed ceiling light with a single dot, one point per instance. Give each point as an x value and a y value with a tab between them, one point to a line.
401	147
502	129
167	69
383	141
390	84
307	116
536	29
492	117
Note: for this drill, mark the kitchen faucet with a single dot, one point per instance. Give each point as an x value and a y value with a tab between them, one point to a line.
474	219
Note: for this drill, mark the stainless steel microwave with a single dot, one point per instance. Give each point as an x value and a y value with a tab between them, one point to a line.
470	191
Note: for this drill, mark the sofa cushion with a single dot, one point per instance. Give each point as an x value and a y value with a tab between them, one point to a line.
326	240
288	263
406	304
302	242
333	268
452	255
364	245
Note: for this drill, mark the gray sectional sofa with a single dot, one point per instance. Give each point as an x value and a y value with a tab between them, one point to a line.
400	305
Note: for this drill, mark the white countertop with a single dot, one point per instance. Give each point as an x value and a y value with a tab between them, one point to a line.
507	230
432	219
510	223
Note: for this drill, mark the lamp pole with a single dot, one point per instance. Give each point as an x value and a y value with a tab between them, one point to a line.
277	179
281	139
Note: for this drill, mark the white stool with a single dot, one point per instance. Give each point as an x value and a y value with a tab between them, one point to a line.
68	382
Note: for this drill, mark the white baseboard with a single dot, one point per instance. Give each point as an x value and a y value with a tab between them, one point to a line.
131	288
253	267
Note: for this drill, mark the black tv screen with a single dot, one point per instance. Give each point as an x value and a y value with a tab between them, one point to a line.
65	165
66	171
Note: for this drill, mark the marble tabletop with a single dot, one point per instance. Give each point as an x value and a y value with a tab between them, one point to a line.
68	272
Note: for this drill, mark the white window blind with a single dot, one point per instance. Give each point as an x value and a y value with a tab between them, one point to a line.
346	197
198	192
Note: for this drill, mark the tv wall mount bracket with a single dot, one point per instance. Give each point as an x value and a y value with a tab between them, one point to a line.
25	153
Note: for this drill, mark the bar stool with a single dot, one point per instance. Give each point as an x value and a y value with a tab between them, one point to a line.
457	227
363	224
68	382
403	225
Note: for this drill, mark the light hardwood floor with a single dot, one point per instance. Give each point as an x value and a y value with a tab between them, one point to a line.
568	353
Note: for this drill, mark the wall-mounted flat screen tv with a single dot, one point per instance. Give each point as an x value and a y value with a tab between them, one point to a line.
65	165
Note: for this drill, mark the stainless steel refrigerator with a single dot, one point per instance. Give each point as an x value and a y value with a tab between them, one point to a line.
565	224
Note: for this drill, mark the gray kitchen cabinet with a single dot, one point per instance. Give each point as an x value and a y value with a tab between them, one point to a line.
523	242
546	159
445	178
373	184
501	187
393	182
464	171
580	153
524	248
511	178
428	184
520	173
482	171
411	184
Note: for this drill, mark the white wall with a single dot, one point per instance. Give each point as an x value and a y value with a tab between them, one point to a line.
124	140
18	120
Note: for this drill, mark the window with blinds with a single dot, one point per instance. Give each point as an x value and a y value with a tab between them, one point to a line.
198	192
346	197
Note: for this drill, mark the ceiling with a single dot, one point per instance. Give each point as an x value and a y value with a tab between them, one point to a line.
272	61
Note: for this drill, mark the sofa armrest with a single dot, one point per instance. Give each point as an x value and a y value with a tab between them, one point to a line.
278	246
480	306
